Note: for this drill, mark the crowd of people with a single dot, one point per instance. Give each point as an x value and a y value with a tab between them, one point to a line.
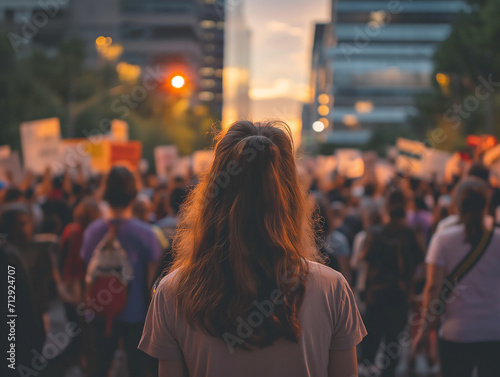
395	245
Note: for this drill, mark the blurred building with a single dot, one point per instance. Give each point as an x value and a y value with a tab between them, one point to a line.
176	37
179	37
237	66
33	22
371	61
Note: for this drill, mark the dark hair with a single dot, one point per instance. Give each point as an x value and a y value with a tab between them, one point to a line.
374	215
420	203
322	219
472	199
13	194
245	231
121	188
87	211
480	171
177	197
396	204
9	221
29	193
370	189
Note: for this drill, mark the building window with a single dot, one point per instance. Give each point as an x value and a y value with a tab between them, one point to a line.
207	84
9	15
207	24
207	71
206	96
218	73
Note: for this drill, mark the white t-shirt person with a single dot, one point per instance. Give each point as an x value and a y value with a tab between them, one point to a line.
473	310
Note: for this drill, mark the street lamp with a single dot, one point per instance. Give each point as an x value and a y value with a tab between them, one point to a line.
178	81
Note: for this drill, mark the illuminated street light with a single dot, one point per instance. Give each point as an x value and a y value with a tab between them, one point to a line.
324	99
100	41
318	126
364	107
323	110
350	120
178	82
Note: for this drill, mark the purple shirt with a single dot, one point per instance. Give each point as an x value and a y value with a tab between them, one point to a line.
141	244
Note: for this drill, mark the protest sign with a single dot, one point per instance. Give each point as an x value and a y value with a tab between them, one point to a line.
384	172
119	130
129	153
10	168
491	155
4	151
166	158
350	163
325	165
183	167
40	144
410	156
202	160
434	165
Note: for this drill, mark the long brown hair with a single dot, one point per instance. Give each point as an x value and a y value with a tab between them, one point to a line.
245	236
472	199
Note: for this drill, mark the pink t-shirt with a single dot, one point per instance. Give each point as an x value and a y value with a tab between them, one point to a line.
473	310
329	319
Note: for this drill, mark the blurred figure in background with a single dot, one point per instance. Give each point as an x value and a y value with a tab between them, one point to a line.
463	283
70	263
169	222
392	253
143	251
336	242
142	210
322	230
372	219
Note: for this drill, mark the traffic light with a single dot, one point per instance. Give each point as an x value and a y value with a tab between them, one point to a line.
178	81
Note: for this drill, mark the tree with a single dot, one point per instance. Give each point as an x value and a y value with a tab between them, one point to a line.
84	98
468	58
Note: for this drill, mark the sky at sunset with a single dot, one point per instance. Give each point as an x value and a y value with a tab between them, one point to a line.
282	35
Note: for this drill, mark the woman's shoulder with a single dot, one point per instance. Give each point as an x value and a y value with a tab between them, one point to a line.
325	276
166	284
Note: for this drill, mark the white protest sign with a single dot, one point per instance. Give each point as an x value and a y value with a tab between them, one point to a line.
491	155
40	143
4	151
74	160
182	168
10	168
202	160
325	165
350	163
384	172
410	156
434	165
166	158
119	130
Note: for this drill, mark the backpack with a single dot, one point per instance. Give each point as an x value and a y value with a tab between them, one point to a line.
108	275
391	268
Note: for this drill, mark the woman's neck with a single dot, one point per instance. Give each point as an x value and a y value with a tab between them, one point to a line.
121	213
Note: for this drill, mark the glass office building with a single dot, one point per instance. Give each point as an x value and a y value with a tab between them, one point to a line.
379	55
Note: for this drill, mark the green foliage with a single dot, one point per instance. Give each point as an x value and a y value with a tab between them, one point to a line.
471	52
85	99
